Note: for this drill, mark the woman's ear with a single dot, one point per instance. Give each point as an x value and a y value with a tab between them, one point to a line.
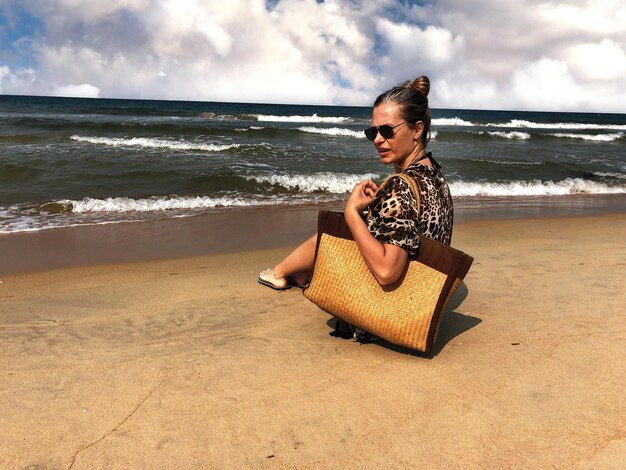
419	128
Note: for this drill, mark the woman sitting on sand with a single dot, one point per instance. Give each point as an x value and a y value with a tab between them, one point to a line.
390	234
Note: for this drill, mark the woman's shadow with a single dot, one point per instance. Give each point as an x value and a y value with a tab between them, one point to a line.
452	325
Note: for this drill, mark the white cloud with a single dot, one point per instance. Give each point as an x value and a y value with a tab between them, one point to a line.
478	53
595	17
432	46
79	91
4	71
600	61
545	84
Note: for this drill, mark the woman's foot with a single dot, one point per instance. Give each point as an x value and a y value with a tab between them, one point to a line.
269	278
301	280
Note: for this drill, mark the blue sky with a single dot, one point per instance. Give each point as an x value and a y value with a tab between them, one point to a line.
480	54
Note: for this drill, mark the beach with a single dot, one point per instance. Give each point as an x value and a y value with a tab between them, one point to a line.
143	346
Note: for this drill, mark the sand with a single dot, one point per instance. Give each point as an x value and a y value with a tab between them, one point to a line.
189	363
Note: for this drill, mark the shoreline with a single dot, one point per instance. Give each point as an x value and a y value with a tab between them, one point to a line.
239	230
191	362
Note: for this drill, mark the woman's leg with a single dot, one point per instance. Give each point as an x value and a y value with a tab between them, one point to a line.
298	264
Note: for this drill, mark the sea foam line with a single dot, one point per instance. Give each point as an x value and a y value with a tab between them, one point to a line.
508	162
533	188
317	182
455	121
156	203
333	131
513	135
313	118
590	137
556	125
152	143
603	174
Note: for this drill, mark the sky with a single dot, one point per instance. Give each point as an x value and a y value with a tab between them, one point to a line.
478	54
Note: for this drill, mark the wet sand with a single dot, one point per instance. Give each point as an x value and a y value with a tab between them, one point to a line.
238	230
188	362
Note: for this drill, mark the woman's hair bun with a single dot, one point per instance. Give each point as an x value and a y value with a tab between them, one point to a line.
421	84
412	97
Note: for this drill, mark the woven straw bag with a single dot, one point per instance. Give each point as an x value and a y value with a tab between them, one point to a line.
407	313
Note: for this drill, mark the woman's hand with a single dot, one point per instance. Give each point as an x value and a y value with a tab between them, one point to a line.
386	261
361	196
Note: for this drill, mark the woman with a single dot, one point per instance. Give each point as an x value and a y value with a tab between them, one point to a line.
389	235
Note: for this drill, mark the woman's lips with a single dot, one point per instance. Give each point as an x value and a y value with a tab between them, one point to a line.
383	152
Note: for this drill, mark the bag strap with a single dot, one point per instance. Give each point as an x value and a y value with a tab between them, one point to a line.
409	181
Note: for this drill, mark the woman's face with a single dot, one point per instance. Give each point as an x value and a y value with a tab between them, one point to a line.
406	139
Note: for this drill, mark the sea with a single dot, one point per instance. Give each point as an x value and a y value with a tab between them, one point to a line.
73	161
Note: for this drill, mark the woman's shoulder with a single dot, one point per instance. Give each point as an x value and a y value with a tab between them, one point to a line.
395	196
425	174
396	183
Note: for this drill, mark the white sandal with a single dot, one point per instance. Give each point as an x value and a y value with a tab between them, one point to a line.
268	278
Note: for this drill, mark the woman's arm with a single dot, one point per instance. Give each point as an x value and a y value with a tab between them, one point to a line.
386	261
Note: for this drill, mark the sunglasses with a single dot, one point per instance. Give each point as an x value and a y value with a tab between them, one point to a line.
386	131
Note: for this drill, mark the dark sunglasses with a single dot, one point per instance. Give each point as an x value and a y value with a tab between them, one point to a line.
386	131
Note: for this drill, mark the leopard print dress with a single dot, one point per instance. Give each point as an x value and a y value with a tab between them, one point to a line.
393	216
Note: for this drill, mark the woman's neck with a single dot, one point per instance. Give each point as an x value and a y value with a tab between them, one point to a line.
415	155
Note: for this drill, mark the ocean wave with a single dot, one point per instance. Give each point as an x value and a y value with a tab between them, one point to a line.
313	118
556	125
92	211
603	174
513	135
336	131
37	224
152	204
590	137
226	117
533	188
146	142
455	121
325	181
508	162
251	128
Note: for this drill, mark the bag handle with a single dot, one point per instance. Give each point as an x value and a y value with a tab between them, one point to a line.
409	181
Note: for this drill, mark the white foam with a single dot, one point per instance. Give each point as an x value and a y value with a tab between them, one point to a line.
121	209
591	137
38	224
152	143
325	181
508	162
251	128
620	176
126	204
513	135
333	131
533	188
556	125
455	121
313	118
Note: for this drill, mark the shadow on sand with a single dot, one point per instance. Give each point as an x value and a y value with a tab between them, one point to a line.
452	325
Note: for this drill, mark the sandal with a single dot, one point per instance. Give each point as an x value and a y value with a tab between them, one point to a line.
302	285
269	279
